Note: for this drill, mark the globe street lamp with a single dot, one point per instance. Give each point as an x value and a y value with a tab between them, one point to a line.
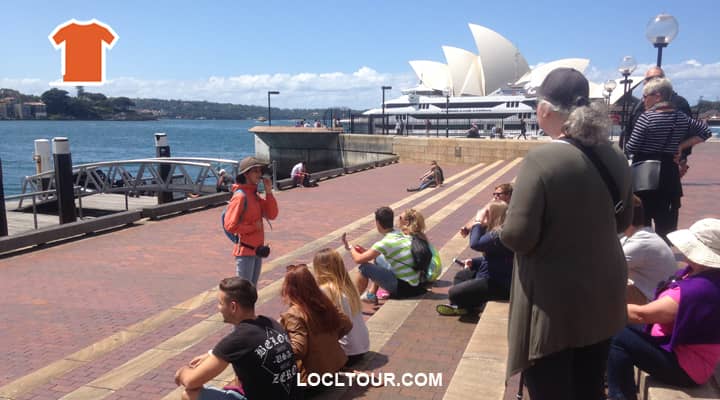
627	66
660	31
269	116
609	86
384	125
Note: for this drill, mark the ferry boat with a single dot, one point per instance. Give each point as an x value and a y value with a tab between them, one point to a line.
494	89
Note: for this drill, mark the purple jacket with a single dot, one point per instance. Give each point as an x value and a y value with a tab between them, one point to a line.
699	310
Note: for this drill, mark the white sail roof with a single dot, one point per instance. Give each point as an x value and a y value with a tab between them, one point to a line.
535	77
432	74
465	72
500	59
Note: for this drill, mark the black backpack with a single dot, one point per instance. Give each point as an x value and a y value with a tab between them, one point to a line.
422	256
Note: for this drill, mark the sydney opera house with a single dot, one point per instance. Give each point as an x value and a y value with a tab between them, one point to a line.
493	89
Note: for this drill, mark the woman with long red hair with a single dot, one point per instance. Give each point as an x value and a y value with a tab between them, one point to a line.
313	323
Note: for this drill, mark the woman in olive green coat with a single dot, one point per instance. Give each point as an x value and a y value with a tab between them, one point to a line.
568	290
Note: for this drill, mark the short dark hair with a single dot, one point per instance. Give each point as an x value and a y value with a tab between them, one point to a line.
239	290
385	216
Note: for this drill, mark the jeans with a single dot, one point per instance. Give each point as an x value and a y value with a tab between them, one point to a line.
213	393
381	275
634	348
248	267
570	374
469	292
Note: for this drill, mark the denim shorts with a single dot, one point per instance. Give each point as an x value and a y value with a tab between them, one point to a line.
213	393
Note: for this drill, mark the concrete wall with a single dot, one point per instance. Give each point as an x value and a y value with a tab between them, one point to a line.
425	149
325	149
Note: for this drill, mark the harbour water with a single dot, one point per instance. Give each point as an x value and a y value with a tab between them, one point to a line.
93	141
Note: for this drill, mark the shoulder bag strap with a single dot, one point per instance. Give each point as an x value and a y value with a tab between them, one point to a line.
618	204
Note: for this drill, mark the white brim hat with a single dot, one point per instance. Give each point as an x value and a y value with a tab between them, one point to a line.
701	243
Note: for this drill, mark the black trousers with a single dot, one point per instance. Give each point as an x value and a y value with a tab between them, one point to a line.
469	292
572	374
662	209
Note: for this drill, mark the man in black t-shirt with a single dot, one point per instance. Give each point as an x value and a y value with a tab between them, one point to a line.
258	349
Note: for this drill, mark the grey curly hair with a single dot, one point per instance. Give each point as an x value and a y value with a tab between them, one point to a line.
588	123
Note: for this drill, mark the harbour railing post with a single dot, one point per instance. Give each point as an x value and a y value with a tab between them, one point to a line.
3	215
64	180
162	150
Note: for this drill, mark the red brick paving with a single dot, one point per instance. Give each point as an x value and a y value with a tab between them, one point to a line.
74	294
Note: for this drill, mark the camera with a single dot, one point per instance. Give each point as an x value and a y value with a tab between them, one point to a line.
262	251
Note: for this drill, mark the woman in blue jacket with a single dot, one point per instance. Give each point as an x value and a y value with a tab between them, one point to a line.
483	278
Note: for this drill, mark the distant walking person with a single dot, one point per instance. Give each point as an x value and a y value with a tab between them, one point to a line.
523	129
428	124
244	217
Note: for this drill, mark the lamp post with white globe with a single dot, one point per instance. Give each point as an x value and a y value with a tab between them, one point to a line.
627	66
660	31
609	86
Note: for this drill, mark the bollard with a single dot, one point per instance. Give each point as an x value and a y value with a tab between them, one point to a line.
162	149
3	215
64	180
42	160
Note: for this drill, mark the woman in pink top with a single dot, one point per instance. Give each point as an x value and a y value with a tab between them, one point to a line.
681	344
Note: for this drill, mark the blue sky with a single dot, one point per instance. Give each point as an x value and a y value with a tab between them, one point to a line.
333	54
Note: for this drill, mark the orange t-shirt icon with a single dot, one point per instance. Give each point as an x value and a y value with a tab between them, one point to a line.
83	54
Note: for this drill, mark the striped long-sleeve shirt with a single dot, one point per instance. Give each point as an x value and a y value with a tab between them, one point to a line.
662	132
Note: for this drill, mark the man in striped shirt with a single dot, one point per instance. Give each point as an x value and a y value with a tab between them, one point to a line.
393	266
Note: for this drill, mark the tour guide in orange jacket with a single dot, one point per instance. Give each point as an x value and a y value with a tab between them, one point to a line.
245	218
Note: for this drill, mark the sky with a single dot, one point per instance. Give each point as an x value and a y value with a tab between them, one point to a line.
323	54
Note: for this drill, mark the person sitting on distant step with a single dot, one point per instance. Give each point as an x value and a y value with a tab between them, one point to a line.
473	132
300	176
433	177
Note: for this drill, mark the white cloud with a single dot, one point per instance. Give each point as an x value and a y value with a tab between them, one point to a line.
691	79
359	89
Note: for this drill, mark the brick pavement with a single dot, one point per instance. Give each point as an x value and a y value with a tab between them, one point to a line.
77	293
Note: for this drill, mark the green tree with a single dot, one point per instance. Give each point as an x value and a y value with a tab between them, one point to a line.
56	101
121	104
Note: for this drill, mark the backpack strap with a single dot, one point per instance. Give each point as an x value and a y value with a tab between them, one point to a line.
618	204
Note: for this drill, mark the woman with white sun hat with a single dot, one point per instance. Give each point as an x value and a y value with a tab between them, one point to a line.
681	342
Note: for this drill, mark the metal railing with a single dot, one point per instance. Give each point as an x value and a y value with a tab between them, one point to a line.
45	194
186	174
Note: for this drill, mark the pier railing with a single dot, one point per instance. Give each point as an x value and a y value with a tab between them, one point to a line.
186	174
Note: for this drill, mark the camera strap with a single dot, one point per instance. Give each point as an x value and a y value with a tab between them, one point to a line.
247	245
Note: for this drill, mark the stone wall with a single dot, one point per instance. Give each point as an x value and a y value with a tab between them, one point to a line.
425	149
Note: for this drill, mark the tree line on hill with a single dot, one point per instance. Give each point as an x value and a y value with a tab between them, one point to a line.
60	104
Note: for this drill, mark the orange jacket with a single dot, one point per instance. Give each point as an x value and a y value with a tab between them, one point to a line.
247	225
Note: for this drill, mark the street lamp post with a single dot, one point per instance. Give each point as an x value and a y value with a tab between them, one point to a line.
627	66
384	125
269	115
609	86
660	31
447	111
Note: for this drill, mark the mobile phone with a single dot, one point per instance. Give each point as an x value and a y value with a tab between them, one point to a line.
458	262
